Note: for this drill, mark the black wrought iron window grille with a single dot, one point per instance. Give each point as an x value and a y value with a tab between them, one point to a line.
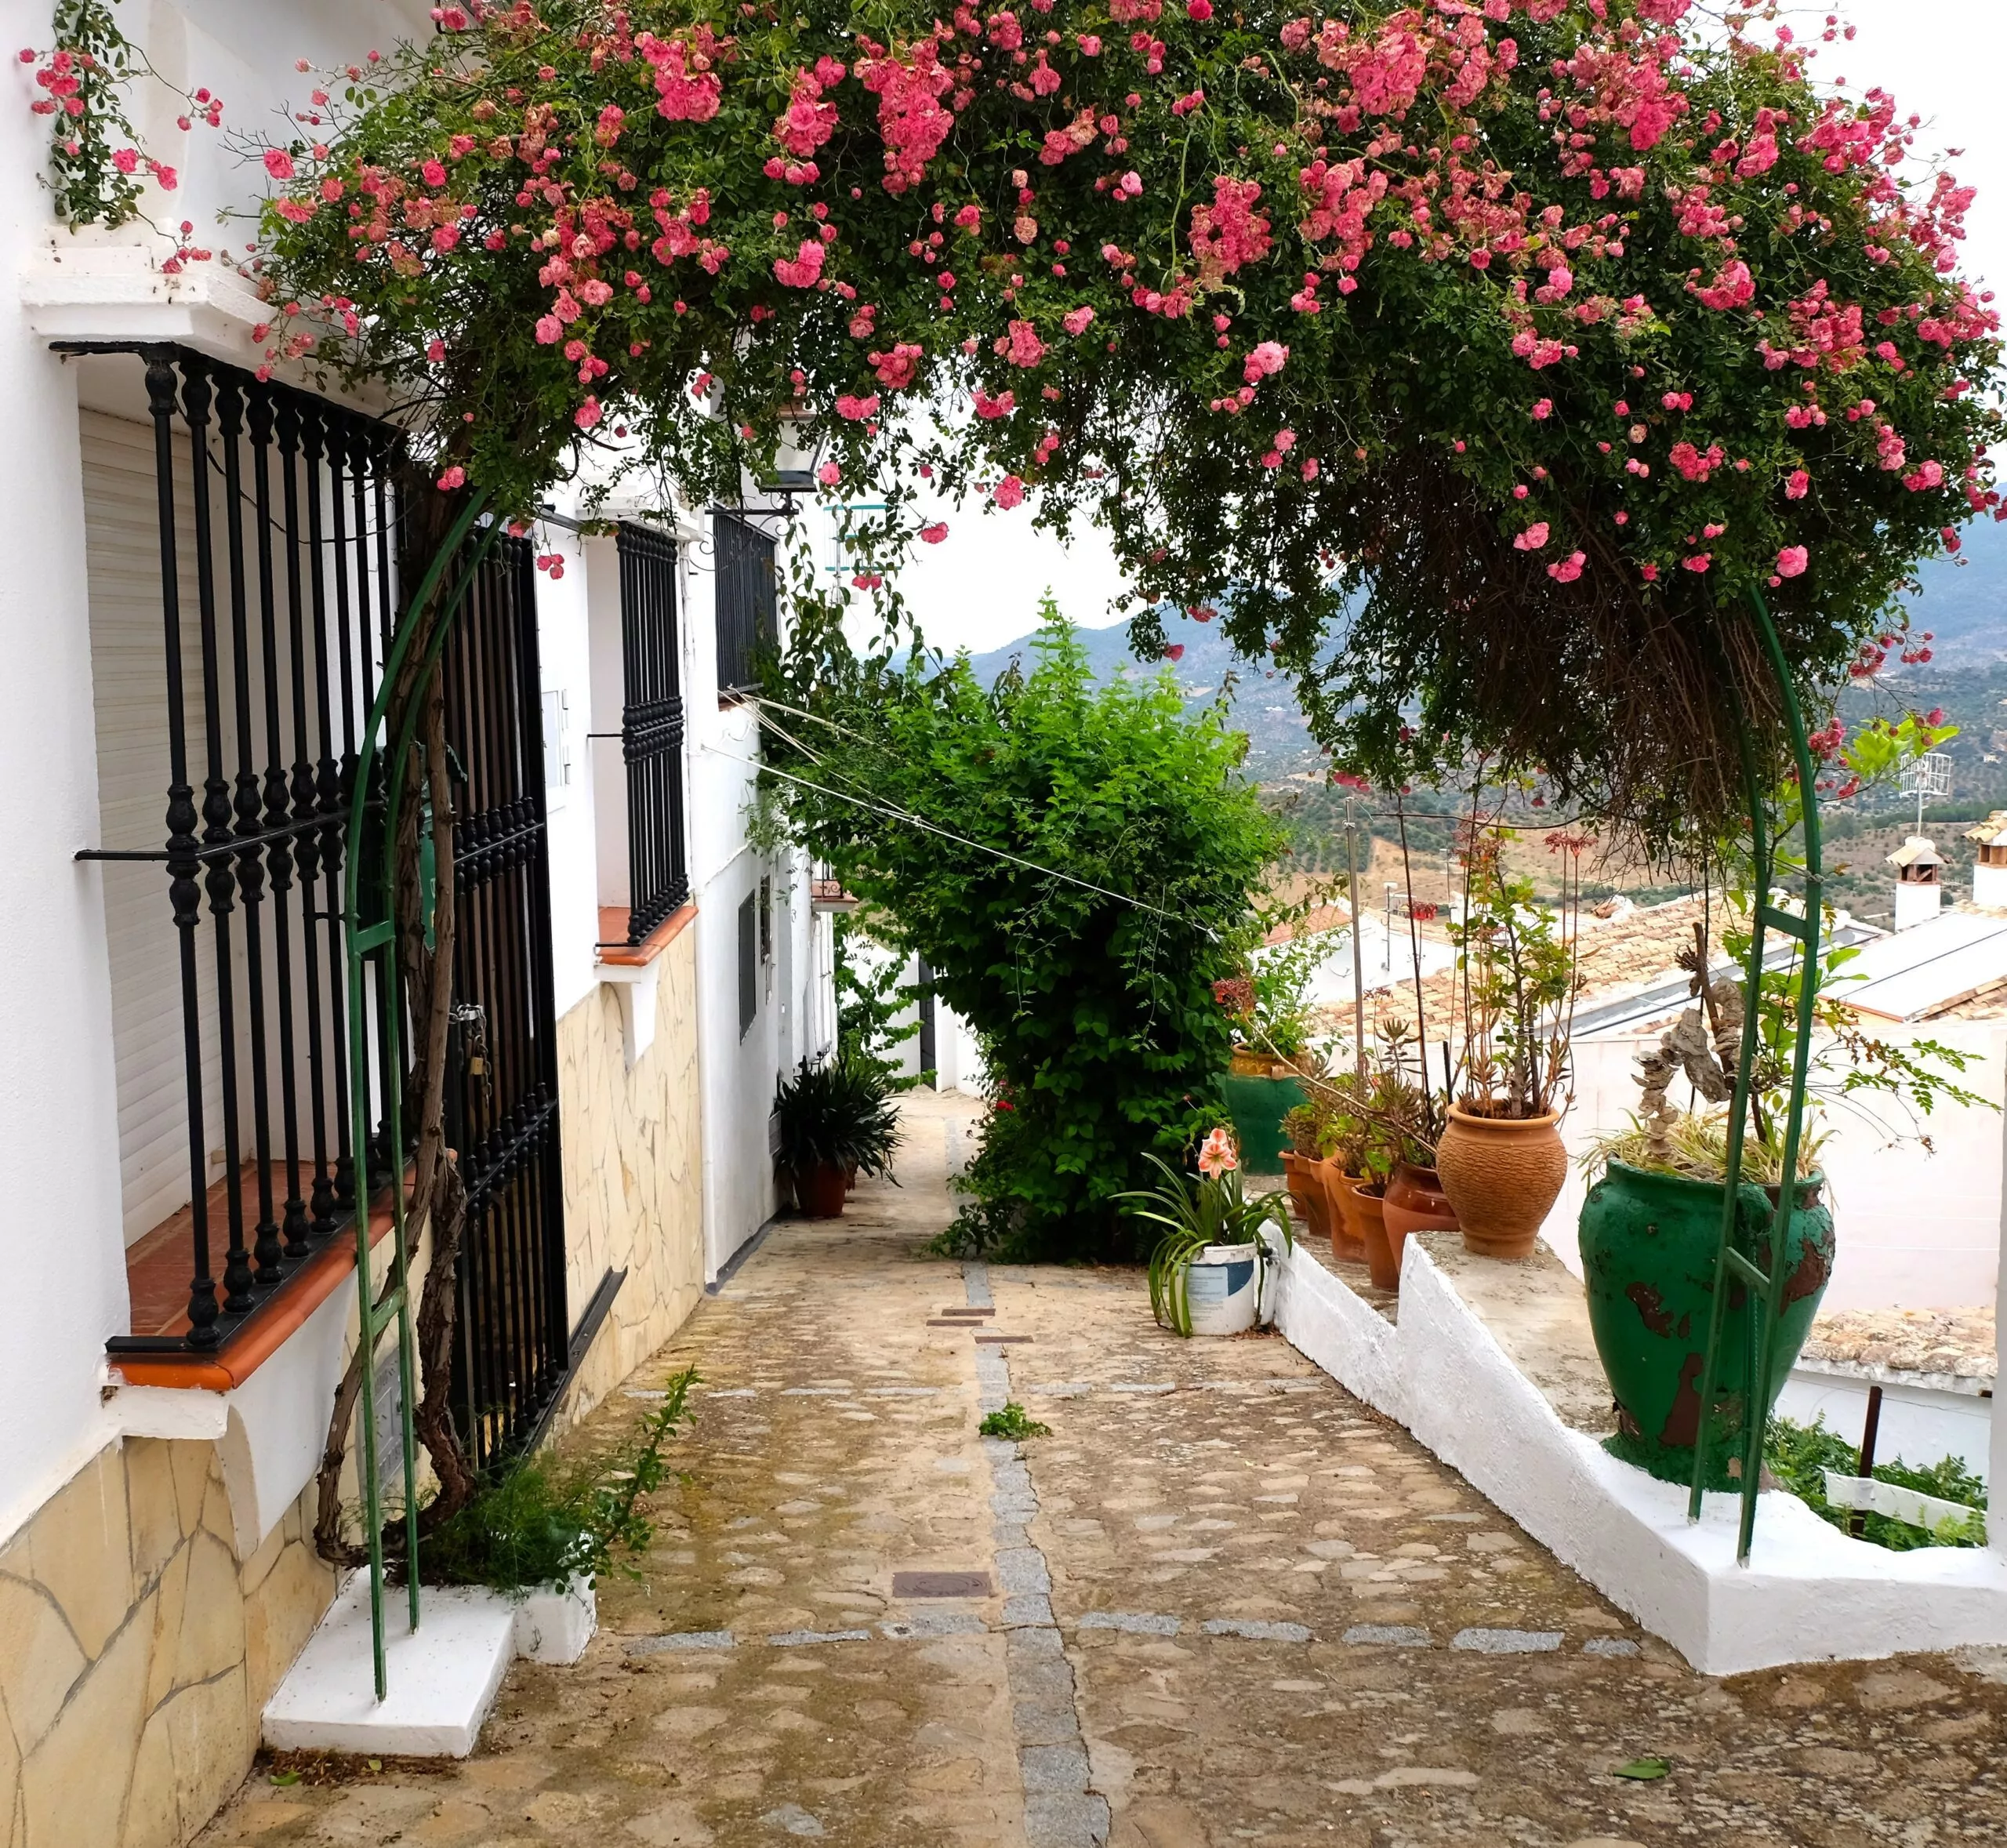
280	508
651	730
748	601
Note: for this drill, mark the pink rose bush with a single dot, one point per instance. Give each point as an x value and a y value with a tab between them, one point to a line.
1140	239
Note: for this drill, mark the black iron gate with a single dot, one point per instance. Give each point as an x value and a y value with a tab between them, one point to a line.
503	1101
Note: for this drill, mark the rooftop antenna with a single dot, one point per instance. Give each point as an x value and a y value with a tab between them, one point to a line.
1929	780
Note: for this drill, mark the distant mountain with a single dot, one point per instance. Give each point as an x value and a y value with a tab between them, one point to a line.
1263	704
1962	601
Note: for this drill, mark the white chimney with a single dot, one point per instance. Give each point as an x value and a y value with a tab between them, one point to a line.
1990	862
1919	872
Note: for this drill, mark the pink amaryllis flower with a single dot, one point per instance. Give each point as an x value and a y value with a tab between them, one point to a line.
1218	1156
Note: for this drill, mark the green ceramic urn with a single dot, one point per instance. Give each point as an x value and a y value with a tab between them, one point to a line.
1648	1244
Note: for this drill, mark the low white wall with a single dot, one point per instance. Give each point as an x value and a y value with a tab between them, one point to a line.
1920	1424
1918	1228
1809	1592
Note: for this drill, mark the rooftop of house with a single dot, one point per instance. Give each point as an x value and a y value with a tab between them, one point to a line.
1919	850
1957	959
1990	832
1627	950
1956	1344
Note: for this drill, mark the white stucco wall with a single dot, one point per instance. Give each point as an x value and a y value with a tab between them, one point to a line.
59	1169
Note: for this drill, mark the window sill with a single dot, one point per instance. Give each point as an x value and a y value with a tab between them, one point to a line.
616	952
633	971
255	1341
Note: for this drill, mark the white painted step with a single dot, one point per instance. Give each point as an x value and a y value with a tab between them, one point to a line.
443	1678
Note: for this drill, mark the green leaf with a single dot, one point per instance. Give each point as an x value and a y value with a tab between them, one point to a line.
1643	1771
285	1779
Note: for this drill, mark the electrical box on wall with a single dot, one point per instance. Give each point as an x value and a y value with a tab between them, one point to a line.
557	746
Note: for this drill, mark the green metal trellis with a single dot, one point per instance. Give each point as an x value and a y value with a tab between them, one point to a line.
376	939
1763	1298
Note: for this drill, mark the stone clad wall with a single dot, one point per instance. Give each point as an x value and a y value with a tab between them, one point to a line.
137	1651
633	1184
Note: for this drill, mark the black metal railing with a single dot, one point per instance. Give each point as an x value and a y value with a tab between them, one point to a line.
651	730
748	601
513	1335
276	517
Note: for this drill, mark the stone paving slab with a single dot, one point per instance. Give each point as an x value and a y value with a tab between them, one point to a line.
1230	1605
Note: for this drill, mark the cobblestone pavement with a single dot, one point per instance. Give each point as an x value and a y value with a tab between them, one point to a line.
1222	1602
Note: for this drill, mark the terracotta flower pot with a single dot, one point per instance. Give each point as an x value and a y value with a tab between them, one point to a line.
1305	1177
1369	1216
1502	1176
1347	1239
1416	1202
819	1191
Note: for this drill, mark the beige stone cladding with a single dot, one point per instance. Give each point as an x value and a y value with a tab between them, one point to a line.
633	1180
137	1650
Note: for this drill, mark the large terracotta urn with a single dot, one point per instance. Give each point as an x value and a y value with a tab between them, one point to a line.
1503	1175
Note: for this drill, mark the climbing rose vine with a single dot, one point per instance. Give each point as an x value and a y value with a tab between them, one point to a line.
1472	360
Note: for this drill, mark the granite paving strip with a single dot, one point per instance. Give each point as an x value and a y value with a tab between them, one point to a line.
1061	1809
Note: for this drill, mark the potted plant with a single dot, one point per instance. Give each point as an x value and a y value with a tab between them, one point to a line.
1206	1273
1381	1121
837	1119
1307	1130
1270	1037
1500	1157
1409	1113
1651	1224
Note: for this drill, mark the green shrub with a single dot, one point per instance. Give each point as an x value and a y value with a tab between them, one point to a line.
1798	1455
1076	863
539	1521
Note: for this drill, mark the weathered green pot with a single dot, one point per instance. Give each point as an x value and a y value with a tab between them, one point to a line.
1648	1244
1257	1106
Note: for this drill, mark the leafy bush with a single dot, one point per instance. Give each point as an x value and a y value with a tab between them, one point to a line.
1076	863
838	1114
538	1521
1798	1455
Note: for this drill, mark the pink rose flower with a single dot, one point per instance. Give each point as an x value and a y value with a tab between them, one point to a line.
1792	560
1532	539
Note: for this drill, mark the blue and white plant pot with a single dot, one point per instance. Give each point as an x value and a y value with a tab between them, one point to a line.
1223	1289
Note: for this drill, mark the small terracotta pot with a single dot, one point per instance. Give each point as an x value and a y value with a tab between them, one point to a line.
1346	1240
1503	1176
1416	1202
1306	1188
819	1191
1369	1216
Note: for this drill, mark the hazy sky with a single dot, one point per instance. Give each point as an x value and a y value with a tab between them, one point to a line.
1941	58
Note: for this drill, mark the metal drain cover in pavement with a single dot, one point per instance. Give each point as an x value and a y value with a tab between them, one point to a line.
941	1584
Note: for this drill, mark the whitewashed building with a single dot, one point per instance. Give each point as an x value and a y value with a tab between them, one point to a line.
196	605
